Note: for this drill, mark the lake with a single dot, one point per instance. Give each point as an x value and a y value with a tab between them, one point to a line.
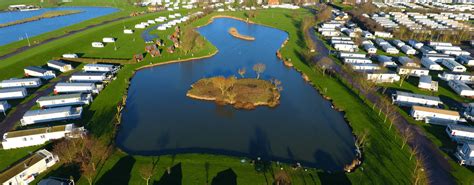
18	32
160	119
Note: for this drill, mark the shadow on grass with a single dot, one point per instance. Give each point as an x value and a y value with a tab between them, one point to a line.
226	177
333	178
175	176
66	172
120	173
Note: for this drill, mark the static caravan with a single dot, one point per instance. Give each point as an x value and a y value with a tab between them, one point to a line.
461	88
352	55
466	60
140	26
365	67
341	38
128	31
76	88
25	171
464	77
64	100
415	44
408	99
39	136
329	33
88	77
432	43
429	64
105	68
465	154
342	42
381	42
367	34
460	133
345	47
349	32
353	60
407	62
381	77
408	50
23	82
108	39
97	44
427	83
453	66
70	55
383	34
434	115
390	49
456	52
60	65
398	43
427	50
436	57
4	106
39	72
386	61
371	49
13	93
411	71
51	114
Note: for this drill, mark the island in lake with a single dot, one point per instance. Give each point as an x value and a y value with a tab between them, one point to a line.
233	31
245	93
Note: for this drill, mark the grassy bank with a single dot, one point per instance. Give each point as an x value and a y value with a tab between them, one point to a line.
384	161
42	16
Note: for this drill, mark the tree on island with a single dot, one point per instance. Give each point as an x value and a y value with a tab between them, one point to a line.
224	84
242	72
259	68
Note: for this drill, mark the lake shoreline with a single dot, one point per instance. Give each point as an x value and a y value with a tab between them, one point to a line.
40	17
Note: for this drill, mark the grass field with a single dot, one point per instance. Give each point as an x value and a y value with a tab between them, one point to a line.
384	161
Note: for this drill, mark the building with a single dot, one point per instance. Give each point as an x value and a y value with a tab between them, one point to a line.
345	47
408	50
465	154
453	66
383	77
408	99
39	136
464	77
386	61
104	68
428	84
352	60
466	60
407	62
365	67
434	115
88	77
23	82
368	35
415	44
461	88
352	55
412	71
64	100
70	55
370	48
60	65
429	64
4	106
97	44
460	133
76	88
52	114
13	93
109	39
39	72
390	49
25	171
383	34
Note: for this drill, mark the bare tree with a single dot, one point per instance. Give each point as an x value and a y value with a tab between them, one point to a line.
362	138
407	136
282	178
324	64
259	68
242	72
148	170
325	14
419	175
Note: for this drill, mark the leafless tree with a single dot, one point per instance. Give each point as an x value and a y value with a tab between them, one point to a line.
362	138
148	170
282	178
324	64
242	72
259	69
407	136
324	14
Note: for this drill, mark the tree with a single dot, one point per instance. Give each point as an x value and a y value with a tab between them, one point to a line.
242	72
259	68
148	170
282	178
277	84
325	14
325	63
224	84
362	138
407	136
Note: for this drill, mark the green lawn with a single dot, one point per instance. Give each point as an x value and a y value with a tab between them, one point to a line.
384	161
9	157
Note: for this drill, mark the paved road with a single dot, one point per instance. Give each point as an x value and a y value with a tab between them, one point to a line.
25	48
437	167
9	122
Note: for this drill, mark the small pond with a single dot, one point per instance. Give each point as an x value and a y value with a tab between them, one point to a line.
160	119
18	32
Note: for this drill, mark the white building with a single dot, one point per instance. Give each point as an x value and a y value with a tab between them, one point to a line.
365	67
70	55
427	83
465	154
453	66
39	72
386	61
411	71
415	44
367	34
370	48
60	65
64	100
13	93
408	50
383	77
390	49
383	34
460	133
52	114
4	106
434	115
464	77
466	60
407	62
346	47
409	99
25	171
352	60
97	44
128	31
106	68
39	136
23	82
352	55
88	77
429	64
461	88
75	88
108	39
